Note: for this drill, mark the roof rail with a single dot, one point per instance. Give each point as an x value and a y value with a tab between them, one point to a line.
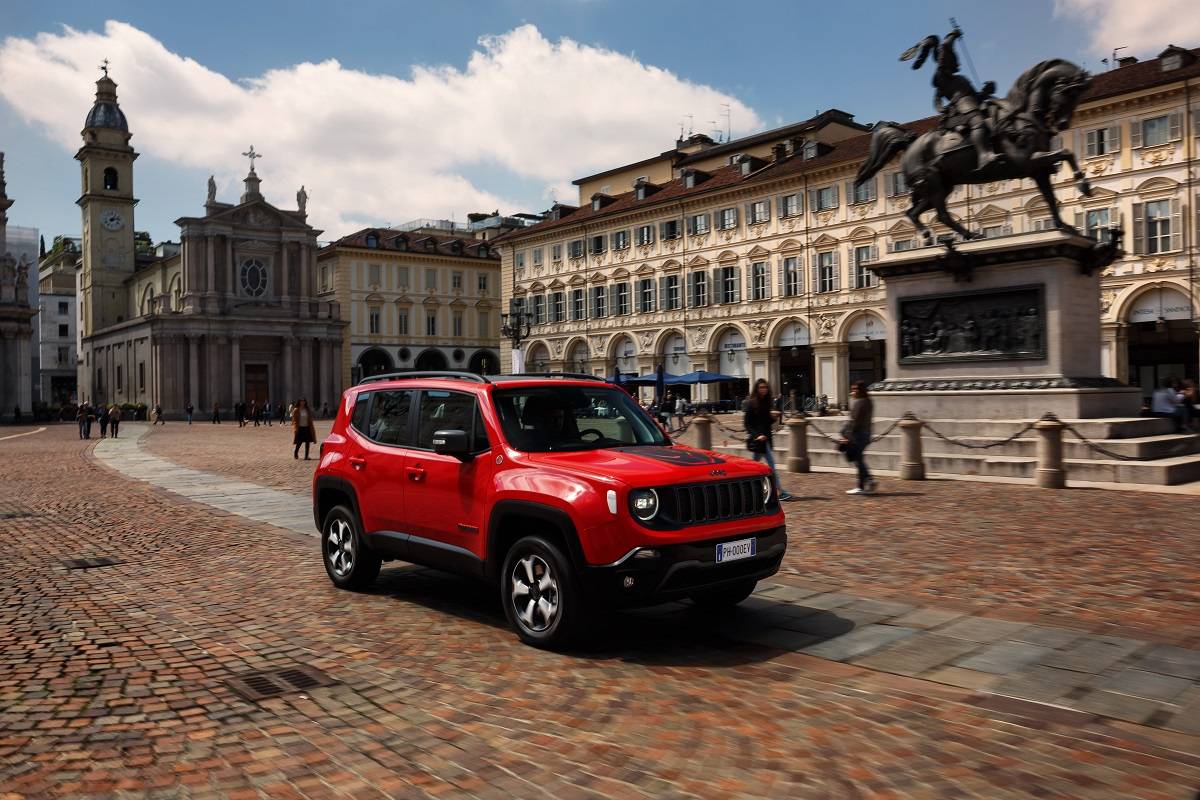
448	374
577	375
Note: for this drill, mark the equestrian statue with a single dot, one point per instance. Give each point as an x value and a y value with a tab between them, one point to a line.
981	138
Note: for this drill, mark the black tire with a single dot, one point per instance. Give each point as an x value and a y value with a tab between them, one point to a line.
349	563
726	596
562	592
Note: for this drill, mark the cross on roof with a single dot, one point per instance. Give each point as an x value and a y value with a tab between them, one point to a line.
250	154
104	67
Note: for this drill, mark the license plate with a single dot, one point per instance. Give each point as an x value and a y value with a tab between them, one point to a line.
734	551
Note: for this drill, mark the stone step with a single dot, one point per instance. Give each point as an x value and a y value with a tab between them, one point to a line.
1146	447
1160	472
1094	429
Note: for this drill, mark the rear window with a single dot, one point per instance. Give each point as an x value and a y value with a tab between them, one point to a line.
388	422
358	419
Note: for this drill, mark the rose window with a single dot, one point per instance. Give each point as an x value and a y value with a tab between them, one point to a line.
254	278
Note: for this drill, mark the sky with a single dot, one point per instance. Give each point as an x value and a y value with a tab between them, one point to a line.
390	111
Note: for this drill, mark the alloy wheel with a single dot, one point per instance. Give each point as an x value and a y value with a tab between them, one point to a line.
534	593
339	547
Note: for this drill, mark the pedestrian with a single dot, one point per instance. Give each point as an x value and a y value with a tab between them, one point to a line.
102	418
85	427
114	419
683	406
17	415
304	431
668	409
280	413
189	410
325	410
216	417
758	419
254	412
158	415
1166	402
856	436
1190	398
267	410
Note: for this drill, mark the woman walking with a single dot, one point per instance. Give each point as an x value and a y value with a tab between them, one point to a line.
304	432
758	421
856	436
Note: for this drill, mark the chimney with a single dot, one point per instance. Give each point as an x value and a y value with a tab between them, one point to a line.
1127	61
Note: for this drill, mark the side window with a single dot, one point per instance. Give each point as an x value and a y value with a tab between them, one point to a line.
389	417
362	406
479	442
443	411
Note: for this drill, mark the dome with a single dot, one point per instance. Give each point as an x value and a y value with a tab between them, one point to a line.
105	112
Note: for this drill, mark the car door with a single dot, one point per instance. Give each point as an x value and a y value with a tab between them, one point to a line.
446	497
379	468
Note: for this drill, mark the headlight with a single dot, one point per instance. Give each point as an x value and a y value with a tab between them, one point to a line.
643	504
767	488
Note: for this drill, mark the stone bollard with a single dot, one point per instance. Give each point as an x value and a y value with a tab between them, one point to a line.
703	424
912	462
1050	472
797	445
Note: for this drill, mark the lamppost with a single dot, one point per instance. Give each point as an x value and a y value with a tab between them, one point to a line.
515	326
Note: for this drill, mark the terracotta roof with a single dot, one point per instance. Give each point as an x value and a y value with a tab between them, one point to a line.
419	242
1141	75
1130	78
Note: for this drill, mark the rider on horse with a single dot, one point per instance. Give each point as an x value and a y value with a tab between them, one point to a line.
964	110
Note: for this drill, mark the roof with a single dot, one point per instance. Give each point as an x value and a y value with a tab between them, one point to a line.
1134	77
396	241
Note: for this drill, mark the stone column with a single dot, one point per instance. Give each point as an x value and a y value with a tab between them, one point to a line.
703	425
912	462
1050	472
212	345
230	276
235	367
193	388
304	279
289	380
211	286
285	279
306	376
798	445
325	357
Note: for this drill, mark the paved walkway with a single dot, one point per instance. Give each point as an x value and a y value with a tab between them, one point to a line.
250	500
1130	679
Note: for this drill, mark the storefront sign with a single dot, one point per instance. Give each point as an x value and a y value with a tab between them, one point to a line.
1158	304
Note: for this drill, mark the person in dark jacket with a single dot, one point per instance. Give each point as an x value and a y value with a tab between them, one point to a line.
856	436
102	418
304	431
758	420
114	420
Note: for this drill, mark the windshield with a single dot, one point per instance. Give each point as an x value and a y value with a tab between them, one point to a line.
542	419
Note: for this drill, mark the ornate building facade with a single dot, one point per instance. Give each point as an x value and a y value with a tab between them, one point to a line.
752	257
421	296
16	315
230	314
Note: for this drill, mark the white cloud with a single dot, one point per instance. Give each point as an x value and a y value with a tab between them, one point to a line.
370	148
1144	27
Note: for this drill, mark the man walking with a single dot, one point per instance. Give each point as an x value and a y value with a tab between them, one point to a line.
216	417
190	410
114	420
856	436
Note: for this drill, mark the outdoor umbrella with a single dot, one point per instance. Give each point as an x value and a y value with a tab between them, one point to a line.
701	376
660	382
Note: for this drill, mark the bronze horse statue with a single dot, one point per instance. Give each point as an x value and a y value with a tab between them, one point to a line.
1022	124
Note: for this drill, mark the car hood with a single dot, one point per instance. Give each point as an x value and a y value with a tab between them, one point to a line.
649	465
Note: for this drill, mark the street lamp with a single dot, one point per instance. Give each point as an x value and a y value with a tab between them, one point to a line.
516	323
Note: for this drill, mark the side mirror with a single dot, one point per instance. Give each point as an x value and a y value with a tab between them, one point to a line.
452	443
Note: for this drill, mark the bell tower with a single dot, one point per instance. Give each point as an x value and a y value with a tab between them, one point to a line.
106	160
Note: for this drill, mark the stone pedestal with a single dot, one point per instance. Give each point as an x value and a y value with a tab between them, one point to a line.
1005	328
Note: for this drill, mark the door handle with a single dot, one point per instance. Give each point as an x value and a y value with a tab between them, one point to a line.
415	474
358	462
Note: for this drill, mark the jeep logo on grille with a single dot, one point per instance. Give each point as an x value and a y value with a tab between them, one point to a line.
716	472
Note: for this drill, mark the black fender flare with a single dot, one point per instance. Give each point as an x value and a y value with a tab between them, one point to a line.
559	519
337	484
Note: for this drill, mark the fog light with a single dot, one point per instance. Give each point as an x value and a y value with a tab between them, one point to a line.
628	581
646	554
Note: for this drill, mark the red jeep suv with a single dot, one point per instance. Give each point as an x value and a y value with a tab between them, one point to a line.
558	489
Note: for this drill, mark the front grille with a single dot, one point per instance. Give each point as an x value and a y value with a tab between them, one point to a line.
715	501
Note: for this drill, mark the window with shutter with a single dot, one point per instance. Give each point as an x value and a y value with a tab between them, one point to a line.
792	282
1156	131
1175	126
1176	225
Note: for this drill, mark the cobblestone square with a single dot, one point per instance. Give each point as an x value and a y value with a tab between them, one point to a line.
941	639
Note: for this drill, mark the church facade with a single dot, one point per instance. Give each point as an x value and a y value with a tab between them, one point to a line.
16	329
230	314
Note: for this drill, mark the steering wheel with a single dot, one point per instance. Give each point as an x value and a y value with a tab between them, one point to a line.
586	431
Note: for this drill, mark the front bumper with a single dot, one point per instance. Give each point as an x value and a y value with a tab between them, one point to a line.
681	570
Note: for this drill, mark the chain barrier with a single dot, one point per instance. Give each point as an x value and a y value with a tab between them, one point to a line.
838	440
972	446
1114	455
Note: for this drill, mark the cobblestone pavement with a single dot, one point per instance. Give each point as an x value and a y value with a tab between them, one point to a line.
113	679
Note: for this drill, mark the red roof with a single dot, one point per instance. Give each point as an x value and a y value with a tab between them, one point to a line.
393	240
1130	78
